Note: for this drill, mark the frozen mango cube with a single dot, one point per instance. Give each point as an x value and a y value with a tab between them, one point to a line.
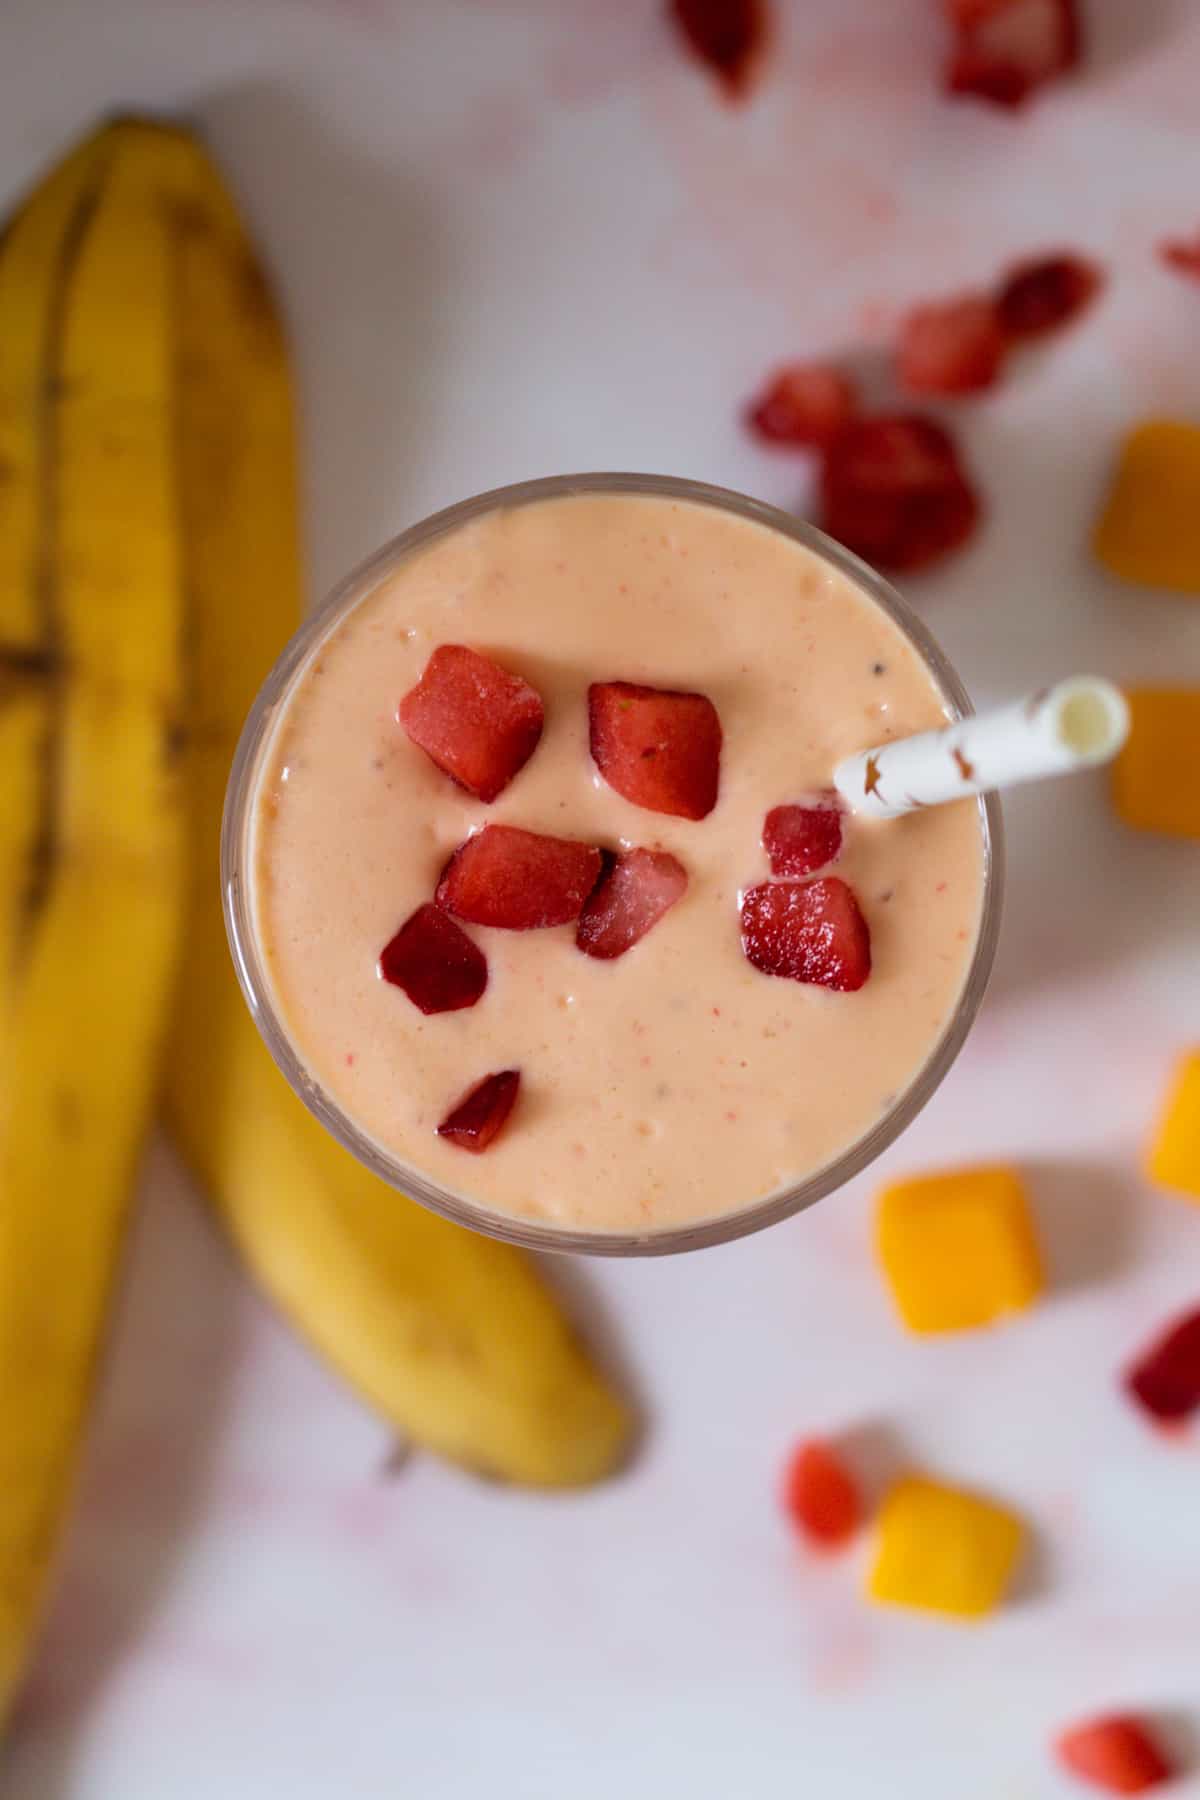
943	1550
1156	778
1174	1158
1149	530
958	1249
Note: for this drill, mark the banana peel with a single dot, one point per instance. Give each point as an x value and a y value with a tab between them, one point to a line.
451	1336
91	824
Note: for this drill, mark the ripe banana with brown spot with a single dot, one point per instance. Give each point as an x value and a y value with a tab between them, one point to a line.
91	820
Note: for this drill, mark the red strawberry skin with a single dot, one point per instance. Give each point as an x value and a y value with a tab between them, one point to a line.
799	840
1045	293
637	888
803	405
810	931
955	347
727	36
435	962
1115	1753
894	491
1165	1381
1005	49
475	720
657	747
822	1496
1182	255
518	880
482	1113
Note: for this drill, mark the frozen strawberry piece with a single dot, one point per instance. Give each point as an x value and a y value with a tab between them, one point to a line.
481	1114
636	889
1166	1379
1045	293
518	880
435	962
658	748
1182	255
810	931
799	840
1005	49
822	1496
804	404
727	35
894	490
478	723
1114	1753
954	347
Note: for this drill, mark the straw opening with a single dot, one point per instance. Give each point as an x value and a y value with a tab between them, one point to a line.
1091	719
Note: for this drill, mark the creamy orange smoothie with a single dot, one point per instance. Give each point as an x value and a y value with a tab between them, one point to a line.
703	1026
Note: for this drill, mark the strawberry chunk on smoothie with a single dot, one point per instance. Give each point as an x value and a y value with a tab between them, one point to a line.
637	888
435	962
659	748
952	347
799	840
804	404
810	931
1005	49
482	1113
475	720
894	490
1046	292
518	880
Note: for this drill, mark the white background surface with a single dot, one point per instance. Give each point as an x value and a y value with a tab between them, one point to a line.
516	237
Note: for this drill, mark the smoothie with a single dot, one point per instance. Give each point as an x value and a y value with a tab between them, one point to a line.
679	1022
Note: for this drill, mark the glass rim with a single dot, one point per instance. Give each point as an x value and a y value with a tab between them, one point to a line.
257	734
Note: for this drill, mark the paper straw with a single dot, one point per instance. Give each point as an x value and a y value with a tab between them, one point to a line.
1075	725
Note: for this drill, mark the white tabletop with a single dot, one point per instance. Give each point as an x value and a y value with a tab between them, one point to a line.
517	237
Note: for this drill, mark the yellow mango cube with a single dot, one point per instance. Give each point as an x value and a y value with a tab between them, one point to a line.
1156	778
958	1249
943	1550
1174	1158
1149	530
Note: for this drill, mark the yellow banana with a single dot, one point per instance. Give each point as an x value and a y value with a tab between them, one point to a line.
34	252
451	1336
92	607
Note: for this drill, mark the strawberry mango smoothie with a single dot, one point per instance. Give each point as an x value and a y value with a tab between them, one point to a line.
624	1013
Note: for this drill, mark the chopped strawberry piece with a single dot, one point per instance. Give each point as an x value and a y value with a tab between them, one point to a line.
822	1496
1166	1379
805	404
955	347
473	719
518	880
481	1114
727	35
1115	1753
1046	292
660	749
1005	49
435	962
1180	254
894	490
809	931
637	888
964	14
799	840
